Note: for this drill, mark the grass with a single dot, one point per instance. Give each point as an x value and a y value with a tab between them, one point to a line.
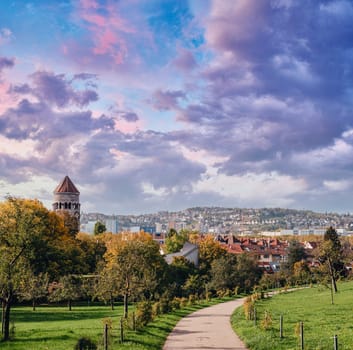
313	307
56	328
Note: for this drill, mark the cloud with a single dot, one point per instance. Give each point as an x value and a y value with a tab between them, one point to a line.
56	89
5	35
6	63
185	61
165	100
107	28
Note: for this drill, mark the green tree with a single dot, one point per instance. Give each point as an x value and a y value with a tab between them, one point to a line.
33	287
175	241
68	289
99	228
296	253
330	255
224	272
248	274
178	272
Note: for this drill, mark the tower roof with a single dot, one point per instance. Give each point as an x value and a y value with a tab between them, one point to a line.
66	186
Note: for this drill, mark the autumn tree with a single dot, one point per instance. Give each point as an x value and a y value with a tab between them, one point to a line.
209	250
137	265
28	233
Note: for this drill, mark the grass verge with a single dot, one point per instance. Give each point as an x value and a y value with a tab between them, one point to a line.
313	307
56	328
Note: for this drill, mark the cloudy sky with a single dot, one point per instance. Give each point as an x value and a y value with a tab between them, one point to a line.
162	105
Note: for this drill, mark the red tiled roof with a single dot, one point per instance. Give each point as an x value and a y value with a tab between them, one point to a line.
66	186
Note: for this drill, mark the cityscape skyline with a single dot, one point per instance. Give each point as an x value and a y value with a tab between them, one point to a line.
156	105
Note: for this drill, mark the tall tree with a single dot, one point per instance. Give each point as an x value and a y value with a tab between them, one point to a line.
25	227
137	264
29	237
223	272
330	254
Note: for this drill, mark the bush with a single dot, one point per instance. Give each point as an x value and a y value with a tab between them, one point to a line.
183	302
165	306
175	304
156	309
85	344
192	299
143	313
266	322
249	307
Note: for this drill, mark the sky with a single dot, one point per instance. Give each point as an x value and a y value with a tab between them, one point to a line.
152	105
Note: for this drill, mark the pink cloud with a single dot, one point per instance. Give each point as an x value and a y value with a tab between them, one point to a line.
6	100
108	29
89	4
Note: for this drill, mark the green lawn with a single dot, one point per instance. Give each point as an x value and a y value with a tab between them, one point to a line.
313	307
56	328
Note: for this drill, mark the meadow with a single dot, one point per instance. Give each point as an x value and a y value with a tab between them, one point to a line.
56	328
313	307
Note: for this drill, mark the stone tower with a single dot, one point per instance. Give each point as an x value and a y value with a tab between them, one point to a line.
67	198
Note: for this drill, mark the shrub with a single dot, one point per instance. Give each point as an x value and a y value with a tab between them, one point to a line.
156	309
85	344
192	299
266	322
143	313
175	304
165	306
249	307
183	302
208	296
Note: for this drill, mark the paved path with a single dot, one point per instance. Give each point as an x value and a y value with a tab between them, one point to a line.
207	328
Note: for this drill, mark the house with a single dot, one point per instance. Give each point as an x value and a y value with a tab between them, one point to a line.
189	251
269	253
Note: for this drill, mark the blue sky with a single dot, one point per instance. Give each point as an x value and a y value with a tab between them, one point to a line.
162	105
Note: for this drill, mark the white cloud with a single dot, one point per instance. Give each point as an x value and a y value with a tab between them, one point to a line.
339	185
271	189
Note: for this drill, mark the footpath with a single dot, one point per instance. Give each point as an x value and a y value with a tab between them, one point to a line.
207	328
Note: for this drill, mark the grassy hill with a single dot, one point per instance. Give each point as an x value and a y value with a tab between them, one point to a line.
313	307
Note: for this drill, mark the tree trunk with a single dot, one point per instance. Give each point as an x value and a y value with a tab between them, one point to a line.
69	304
33	304
6	325
2	317
332	275
111	301
126	305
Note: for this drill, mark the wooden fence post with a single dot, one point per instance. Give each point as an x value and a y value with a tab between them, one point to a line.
301	335
105	337
335	342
